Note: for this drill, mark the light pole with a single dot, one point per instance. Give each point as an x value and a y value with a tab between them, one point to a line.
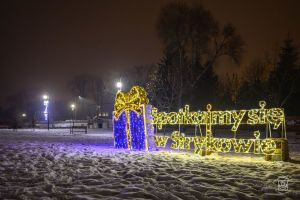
73	112
23	119
46	111
119	85
35	118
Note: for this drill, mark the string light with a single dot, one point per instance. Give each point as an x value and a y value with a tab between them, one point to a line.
161	141
130	124
257	145
120	132
273	116
137	131
134	120
272	148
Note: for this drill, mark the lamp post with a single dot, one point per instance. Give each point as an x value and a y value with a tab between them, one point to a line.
46	112
23	119
35	118
119	85
73	112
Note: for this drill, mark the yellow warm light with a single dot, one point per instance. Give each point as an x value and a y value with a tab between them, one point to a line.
257	145
161	141
273	116
72	106
185	156
45	97
131	100
207	144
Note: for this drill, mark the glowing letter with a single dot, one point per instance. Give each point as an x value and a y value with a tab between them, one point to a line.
237	117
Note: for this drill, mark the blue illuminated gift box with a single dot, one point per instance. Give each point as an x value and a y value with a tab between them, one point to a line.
132	116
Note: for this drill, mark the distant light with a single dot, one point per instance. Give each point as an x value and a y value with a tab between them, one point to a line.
45	97
24	115
119	84
73	106
46	104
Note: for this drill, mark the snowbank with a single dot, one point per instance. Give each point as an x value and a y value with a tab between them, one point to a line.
63	166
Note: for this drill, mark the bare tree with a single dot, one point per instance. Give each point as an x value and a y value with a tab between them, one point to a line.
196	42
257	71
79	85
163	87
231	87
96	90
254	86
137	75
284	78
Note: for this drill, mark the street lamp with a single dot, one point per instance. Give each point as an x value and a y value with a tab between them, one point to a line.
45	97
73	110
119	85
46	112
24	115
73	106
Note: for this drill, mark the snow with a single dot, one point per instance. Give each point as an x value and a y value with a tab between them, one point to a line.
56	165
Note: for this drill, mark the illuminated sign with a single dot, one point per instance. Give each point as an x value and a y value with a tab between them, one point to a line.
268	146
273	118
134	122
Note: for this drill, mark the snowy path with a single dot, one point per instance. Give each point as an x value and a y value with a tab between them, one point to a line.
58	166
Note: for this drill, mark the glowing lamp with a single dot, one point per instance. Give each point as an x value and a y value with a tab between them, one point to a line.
73	106
45	97
119	85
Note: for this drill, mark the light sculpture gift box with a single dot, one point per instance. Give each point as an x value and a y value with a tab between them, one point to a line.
131	118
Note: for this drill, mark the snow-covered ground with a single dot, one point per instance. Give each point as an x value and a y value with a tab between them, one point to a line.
57	165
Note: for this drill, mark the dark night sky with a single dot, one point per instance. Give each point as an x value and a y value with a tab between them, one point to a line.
45	43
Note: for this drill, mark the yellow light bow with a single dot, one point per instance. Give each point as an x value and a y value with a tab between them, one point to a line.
132	100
